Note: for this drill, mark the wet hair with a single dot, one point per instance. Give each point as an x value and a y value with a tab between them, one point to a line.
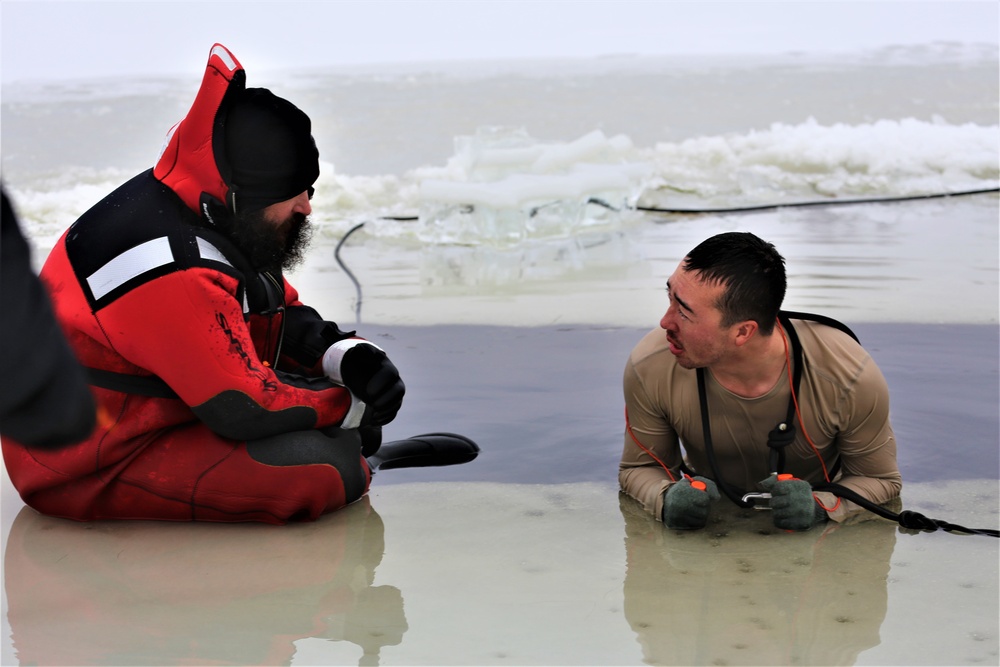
751	272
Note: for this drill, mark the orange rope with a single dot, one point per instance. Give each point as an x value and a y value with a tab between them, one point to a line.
628	428
802	423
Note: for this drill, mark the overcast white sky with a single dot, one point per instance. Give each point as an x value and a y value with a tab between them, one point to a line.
78	39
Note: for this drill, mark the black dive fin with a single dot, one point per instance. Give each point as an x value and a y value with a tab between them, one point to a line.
430	449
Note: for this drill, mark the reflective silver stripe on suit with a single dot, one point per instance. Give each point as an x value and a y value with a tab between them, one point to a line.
141	259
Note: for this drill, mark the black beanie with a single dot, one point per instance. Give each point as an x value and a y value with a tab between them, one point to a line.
271	153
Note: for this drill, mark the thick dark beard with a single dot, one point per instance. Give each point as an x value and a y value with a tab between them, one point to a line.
299	236
266	246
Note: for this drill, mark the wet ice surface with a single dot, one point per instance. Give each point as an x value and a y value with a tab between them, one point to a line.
485	573
528	555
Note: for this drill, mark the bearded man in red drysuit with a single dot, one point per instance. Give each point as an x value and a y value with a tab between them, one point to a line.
222	397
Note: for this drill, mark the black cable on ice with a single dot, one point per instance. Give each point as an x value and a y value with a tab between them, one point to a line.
357	285
684	211
823	202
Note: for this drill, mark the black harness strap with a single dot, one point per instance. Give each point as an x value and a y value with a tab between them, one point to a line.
782	435
143	385
786	315
732	493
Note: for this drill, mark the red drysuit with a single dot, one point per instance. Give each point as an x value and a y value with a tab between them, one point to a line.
207	373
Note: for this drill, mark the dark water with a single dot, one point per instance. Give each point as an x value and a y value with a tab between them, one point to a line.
545	403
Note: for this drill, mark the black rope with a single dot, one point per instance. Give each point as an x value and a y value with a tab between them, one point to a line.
825	202
746	209
357	285
907	518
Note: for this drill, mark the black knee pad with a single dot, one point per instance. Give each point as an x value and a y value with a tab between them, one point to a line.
339	448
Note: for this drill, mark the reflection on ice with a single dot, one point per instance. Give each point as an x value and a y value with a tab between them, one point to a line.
725	596
470	269
507	574
159	593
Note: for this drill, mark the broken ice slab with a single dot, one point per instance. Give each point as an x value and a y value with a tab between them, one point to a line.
502	188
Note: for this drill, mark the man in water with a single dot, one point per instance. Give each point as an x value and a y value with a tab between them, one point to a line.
222	396
760	402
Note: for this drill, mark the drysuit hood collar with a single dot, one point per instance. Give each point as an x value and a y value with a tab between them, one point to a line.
240	148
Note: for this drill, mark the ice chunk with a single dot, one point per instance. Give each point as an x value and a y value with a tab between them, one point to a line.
502	187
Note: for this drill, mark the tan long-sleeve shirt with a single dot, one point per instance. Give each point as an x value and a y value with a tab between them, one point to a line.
843	400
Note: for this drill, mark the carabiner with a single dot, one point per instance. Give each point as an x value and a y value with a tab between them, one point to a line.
758	500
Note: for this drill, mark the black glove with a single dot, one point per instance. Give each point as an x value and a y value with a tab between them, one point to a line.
792	504
371	438
368	373
686	503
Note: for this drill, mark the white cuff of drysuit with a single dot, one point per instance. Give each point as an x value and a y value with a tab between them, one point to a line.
353	417
334	356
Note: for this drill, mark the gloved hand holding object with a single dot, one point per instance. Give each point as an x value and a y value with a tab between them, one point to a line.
686	503
792	504
366	371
